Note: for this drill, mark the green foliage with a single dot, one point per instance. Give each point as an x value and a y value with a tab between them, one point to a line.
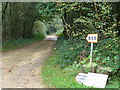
74	66
90	67
39	29
80	19
55	77
107	53
17	19
47	10
95	17
59	33
71	50
17	43
38	37
104	70
61	68
114	82
100	19
12	44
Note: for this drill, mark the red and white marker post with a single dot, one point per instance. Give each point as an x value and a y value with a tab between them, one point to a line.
92	38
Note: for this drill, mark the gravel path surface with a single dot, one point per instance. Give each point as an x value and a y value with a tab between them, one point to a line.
22	67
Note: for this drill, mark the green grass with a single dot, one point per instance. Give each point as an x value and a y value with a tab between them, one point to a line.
114	82
17	43
56	75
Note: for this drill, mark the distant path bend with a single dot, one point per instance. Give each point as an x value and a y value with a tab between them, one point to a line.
22	67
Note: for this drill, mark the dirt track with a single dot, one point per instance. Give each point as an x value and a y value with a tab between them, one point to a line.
21	67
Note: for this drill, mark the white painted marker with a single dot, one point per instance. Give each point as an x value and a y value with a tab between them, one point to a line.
92	38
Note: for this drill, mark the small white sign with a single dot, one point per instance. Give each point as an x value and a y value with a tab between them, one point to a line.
92	38
81	77
96	80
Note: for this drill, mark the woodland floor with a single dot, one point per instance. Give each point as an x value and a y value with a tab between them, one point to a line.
22	67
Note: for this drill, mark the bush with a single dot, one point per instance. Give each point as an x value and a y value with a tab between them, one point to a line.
104	70
39	28
16	43
105	53
59	33
70	51
68	59
89	67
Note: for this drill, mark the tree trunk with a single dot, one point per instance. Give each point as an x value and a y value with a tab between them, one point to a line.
4	9
65	33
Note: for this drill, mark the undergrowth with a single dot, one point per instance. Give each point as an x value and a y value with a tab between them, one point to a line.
62	67
17	43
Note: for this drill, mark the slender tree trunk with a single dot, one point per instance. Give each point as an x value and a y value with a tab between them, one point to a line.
25	20
65	33
4	9
11	22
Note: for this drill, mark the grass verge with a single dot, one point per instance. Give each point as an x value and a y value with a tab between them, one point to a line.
17	43
56	75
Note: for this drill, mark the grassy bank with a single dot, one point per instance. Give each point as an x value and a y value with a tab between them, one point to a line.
61	68
55	77
17	43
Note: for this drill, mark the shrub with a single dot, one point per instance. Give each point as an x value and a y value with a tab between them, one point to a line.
39	28
59	33
105	53
90	67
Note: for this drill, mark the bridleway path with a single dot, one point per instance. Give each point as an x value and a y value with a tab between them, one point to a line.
21	67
